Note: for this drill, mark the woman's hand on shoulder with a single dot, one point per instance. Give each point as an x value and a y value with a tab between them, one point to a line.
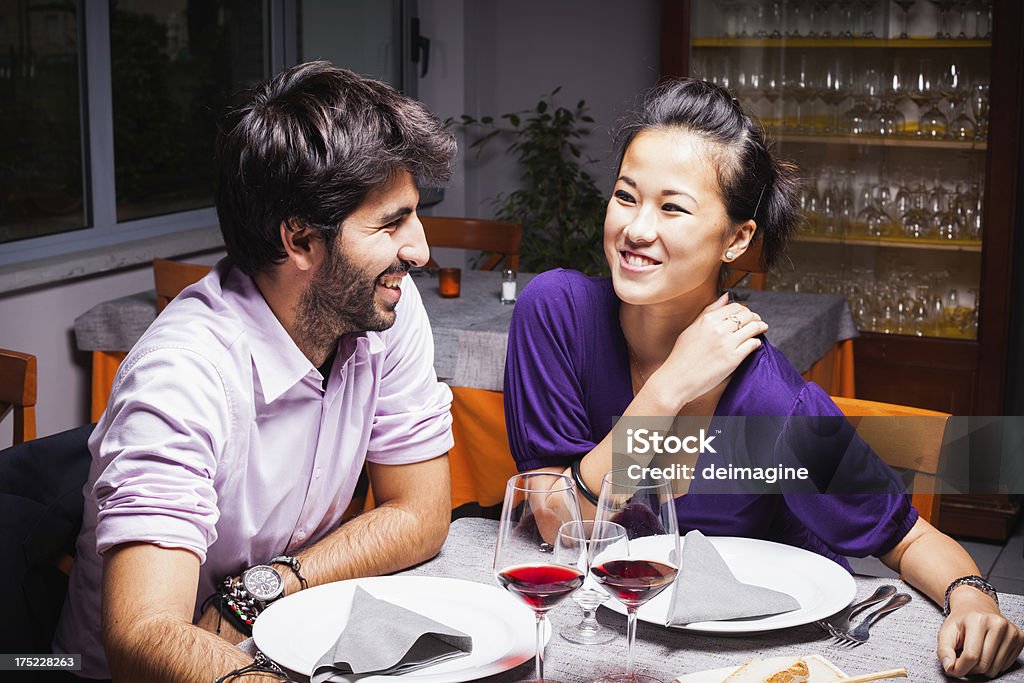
976	638
714	345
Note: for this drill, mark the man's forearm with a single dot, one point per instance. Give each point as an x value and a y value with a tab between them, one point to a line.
165	650
381	541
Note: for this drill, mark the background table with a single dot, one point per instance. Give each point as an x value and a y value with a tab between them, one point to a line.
814	331
904	638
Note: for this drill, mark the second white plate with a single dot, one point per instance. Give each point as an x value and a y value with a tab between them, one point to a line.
820	585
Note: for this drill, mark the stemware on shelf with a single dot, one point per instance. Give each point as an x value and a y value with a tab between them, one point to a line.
833	90
530	559
635	569
979	107
924	90
945	7
905	5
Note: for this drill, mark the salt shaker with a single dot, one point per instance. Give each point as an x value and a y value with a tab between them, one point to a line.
508	286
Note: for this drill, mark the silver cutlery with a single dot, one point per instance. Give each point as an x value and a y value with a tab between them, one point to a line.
841	621
860	633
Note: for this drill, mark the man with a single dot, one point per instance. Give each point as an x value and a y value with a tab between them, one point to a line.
240	422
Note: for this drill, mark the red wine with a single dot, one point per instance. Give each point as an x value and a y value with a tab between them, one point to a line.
634	582
542	586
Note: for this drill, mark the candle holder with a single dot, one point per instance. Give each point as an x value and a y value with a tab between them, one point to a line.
449	282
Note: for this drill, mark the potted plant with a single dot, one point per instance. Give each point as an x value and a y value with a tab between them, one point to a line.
559	205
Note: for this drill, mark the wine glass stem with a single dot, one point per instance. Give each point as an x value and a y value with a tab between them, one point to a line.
539	657
630	639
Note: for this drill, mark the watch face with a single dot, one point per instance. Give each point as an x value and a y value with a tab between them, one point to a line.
263	582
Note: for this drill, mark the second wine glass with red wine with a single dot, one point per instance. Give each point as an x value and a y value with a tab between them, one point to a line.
529	560
638	567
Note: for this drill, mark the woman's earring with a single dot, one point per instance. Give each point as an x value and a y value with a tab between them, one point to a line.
728	255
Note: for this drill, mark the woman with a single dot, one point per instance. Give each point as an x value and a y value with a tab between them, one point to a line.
696	185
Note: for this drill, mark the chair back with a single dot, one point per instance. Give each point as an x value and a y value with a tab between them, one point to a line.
41	508
170	277
500	240
748	263
909	445
18	392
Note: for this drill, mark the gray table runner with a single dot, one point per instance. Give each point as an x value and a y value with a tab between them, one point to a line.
471	331
904	638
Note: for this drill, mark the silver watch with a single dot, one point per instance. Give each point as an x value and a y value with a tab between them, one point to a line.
263	583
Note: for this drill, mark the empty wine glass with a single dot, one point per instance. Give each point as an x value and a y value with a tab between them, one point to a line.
589	631
979	107
640	567
530	560
953	85
833	90
905	5
945	7
925	91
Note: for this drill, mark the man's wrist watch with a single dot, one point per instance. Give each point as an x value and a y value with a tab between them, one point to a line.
263	583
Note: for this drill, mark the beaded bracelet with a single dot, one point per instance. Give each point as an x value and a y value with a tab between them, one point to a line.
237	605
974	582
581	485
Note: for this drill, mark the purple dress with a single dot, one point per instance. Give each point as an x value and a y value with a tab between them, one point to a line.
567	377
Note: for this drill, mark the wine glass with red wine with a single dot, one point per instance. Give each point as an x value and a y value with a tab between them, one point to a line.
529	560
638	567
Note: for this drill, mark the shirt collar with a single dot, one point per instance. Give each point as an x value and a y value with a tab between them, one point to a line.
279	363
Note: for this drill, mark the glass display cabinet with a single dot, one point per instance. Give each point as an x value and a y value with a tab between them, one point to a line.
904	118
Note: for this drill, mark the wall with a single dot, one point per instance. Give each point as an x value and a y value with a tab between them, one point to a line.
490	58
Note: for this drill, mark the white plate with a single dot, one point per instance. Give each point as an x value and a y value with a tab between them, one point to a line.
297	630
820	585
820	669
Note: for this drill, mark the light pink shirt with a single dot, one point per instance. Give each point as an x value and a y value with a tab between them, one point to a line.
219	438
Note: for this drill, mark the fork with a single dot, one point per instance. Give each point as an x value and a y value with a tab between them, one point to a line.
860	634
841	620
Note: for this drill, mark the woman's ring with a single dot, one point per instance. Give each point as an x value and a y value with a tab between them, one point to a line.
736	319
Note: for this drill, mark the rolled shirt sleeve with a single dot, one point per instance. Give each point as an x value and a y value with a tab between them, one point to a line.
158	447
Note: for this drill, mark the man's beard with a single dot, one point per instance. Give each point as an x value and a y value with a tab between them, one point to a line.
341	299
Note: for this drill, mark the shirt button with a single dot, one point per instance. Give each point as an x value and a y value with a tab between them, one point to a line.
317	473
300	535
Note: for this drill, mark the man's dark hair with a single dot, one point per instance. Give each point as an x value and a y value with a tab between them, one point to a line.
754	183
308	147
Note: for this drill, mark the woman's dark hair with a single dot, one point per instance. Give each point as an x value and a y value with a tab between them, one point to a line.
308	147
753	182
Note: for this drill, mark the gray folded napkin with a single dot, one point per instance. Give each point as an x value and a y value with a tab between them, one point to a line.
383	638
707	591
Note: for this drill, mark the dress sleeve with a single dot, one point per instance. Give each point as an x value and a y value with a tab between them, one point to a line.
863	508
545	412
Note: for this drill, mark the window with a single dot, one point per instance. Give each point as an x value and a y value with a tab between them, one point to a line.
40	165
174	66
114	105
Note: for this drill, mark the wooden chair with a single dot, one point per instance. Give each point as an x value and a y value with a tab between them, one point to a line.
500	240
18	392
170	277
910	445
749	263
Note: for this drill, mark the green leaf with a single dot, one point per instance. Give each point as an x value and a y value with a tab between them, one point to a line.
487	120
542	106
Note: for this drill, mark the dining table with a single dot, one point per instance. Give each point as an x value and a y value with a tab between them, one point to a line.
470	331
904	638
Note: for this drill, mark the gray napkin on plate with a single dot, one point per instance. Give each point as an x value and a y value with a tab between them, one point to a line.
707	591
383	638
